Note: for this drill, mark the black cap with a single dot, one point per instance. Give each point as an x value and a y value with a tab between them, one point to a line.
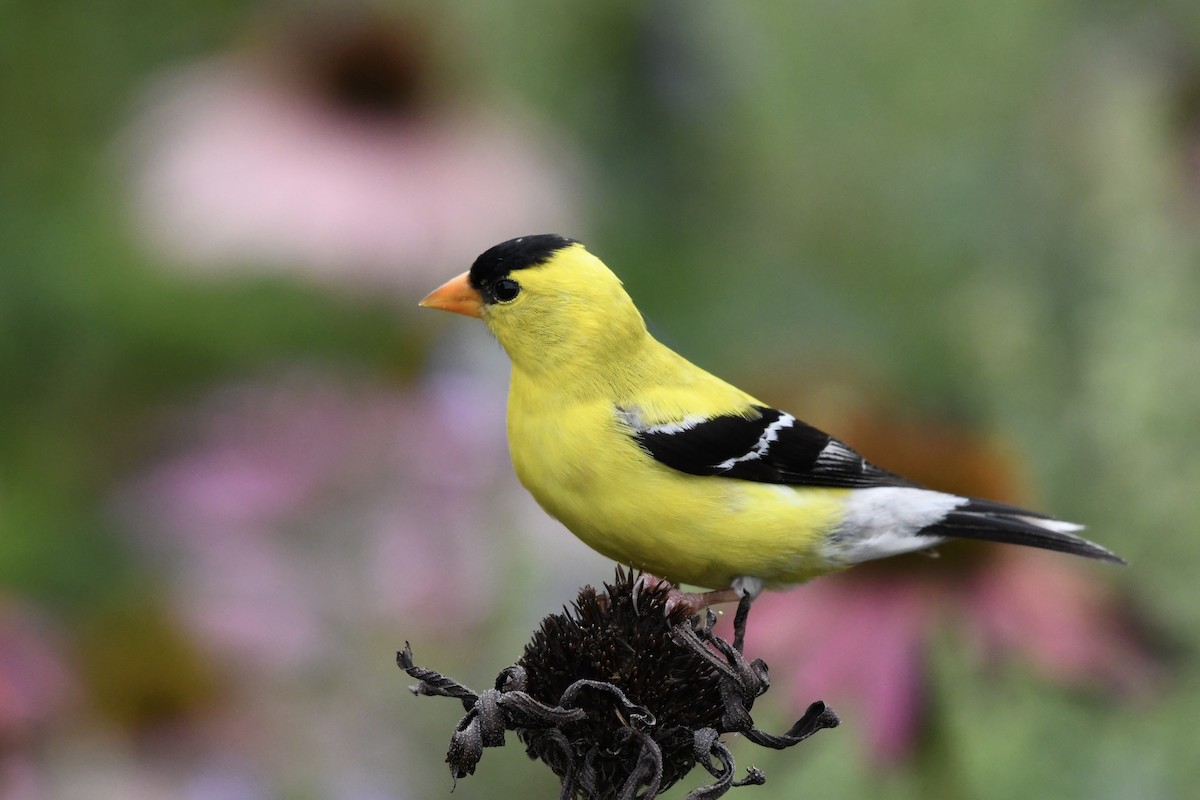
521	253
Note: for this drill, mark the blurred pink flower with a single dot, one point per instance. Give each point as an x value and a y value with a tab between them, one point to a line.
326	150
20	778
35	683
299	506
305	524
1070	625
860	639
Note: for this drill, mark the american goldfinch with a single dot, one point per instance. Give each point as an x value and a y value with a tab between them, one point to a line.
662	466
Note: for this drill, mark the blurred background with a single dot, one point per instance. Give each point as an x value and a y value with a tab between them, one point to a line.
239	468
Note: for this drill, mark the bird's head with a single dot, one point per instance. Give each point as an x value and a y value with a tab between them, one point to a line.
547	300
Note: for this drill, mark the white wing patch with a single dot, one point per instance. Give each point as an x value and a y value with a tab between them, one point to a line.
770	434
633	418
685	424
884	521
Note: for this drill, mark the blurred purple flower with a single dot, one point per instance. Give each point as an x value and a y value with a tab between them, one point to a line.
326	149
20	778
314	501
302	522
36	687
35	683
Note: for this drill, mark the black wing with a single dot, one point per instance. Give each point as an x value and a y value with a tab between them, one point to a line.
768	446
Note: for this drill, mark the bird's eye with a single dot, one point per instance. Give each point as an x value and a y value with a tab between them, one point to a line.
506	289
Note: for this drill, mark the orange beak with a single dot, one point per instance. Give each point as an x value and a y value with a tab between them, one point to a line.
455	295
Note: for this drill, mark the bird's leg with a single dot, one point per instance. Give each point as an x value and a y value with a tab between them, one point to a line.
747	588
739	621
695	602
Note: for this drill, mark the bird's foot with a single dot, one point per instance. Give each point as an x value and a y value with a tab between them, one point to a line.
690	602
743	591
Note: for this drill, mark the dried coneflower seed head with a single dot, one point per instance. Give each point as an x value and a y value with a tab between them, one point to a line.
605	638
620	698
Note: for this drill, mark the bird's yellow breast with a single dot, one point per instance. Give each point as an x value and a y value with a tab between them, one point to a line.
577	458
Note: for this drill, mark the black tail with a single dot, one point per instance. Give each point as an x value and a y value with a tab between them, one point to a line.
996	522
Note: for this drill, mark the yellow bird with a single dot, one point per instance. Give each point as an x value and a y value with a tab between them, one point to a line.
662	466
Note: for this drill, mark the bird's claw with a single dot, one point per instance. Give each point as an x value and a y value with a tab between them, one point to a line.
647	582
691	602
